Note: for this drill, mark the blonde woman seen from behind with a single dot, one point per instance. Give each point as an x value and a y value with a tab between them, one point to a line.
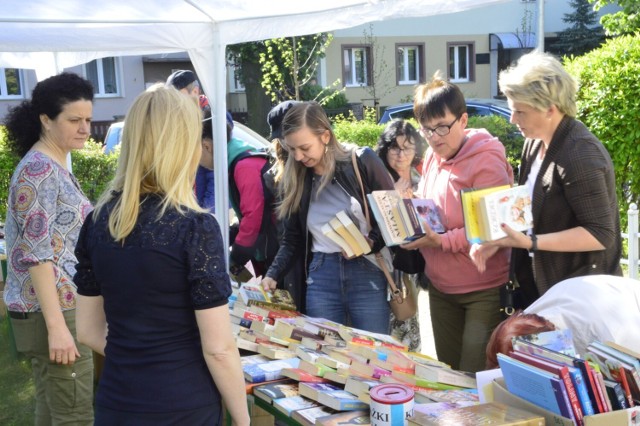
152	267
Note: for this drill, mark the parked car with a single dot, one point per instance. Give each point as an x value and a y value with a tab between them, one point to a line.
240	131
113	137
474	107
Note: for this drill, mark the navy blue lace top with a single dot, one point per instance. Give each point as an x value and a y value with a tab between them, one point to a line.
152	284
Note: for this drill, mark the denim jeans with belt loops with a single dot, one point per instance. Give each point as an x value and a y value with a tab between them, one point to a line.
351	292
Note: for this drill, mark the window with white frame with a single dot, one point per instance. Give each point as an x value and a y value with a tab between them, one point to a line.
409	64
356	65
461	63
235	85
11	83
104	74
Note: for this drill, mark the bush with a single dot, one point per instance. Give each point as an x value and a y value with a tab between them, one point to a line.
8	162
327	97
91	167
94	169
508	134
609	105
360	132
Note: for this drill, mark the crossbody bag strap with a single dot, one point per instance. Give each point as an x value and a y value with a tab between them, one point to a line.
395	291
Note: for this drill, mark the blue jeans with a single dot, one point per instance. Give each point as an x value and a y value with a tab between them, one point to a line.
351	292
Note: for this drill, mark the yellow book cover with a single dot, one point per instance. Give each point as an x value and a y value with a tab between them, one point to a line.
346	235
470	199
329	232
354	231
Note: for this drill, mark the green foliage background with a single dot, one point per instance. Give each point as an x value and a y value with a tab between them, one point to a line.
609	105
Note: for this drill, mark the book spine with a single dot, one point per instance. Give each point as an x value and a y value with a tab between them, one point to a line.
590	384
581	389
601	390
414	222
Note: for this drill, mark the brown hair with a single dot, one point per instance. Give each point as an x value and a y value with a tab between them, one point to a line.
518	324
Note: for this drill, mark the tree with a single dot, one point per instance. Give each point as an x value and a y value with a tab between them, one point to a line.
379	85
625	21
583	35
244	57
289	63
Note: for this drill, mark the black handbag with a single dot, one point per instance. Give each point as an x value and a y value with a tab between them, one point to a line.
520	291
408	261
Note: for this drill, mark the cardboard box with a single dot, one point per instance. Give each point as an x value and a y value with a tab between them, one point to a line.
629	416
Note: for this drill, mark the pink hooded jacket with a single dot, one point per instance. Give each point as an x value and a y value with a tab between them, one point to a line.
480	163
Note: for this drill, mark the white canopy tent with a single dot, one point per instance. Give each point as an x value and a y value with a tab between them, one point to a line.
48	36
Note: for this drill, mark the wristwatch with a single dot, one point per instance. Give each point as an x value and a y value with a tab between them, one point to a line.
534	243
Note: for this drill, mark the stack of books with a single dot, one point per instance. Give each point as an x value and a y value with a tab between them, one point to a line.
344	232
484	210
402	220
605	380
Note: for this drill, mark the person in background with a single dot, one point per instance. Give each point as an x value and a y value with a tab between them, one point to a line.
594	307
45	211
170	356
186	82
464	303
293	280
570	175
319	181
401	149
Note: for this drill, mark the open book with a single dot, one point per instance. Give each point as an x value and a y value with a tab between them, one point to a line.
484	210
342	231
403	219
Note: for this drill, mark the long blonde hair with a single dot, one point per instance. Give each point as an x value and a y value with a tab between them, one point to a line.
159	155
311	115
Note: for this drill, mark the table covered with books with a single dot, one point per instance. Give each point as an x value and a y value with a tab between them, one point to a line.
305	371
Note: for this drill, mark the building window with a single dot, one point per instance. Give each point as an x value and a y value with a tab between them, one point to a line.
409	69
104	75
461	63
235	85
11	83
356	65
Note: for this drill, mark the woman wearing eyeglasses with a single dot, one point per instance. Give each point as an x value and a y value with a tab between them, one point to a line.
464	303
401	148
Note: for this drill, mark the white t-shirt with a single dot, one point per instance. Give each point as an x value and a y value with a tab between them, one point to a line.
594	307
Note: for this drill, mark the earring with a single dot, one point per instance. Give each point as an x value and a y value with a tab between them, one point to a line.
326	148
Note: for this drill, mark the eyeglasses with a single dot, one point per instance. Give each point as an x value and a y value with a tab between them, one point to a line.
442	130
396	150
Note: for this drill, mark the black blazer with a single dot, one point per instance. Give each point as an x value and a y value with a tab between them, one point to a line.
575	187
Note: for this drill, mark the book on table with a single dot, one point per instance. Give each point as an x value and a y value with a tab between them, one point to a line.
290	404
271	391
358	417
309	416
491	413
484	210
402	220
269	370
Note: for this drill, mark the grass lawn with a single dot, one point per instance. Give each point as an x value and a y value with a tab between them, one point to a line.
17	403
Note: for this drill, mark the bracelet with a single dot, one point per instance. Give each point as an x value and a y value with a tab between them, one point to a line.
534	243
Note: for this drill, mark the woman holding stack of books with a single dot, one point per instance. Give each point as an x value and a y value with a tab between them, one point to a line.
319	181
576	221
464	303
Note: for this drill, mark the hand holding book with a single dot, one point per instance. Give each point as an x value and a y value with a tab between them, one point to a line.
481	252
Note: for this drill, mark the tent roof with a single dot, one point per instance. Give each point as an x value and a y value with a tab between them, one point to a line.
48	36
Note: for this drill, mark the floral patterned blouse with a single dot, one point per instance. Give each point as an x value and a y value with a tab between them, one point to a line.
44	216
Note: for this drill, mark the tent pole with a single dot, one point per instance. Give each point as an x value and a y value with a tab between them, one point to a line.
219	109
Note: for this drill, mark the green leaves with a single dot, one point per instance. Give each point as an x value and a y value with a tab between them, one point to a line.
609	105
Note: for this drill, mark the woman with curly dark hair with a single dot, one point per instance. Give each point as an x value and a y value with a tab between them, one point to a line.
401	148
45	212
